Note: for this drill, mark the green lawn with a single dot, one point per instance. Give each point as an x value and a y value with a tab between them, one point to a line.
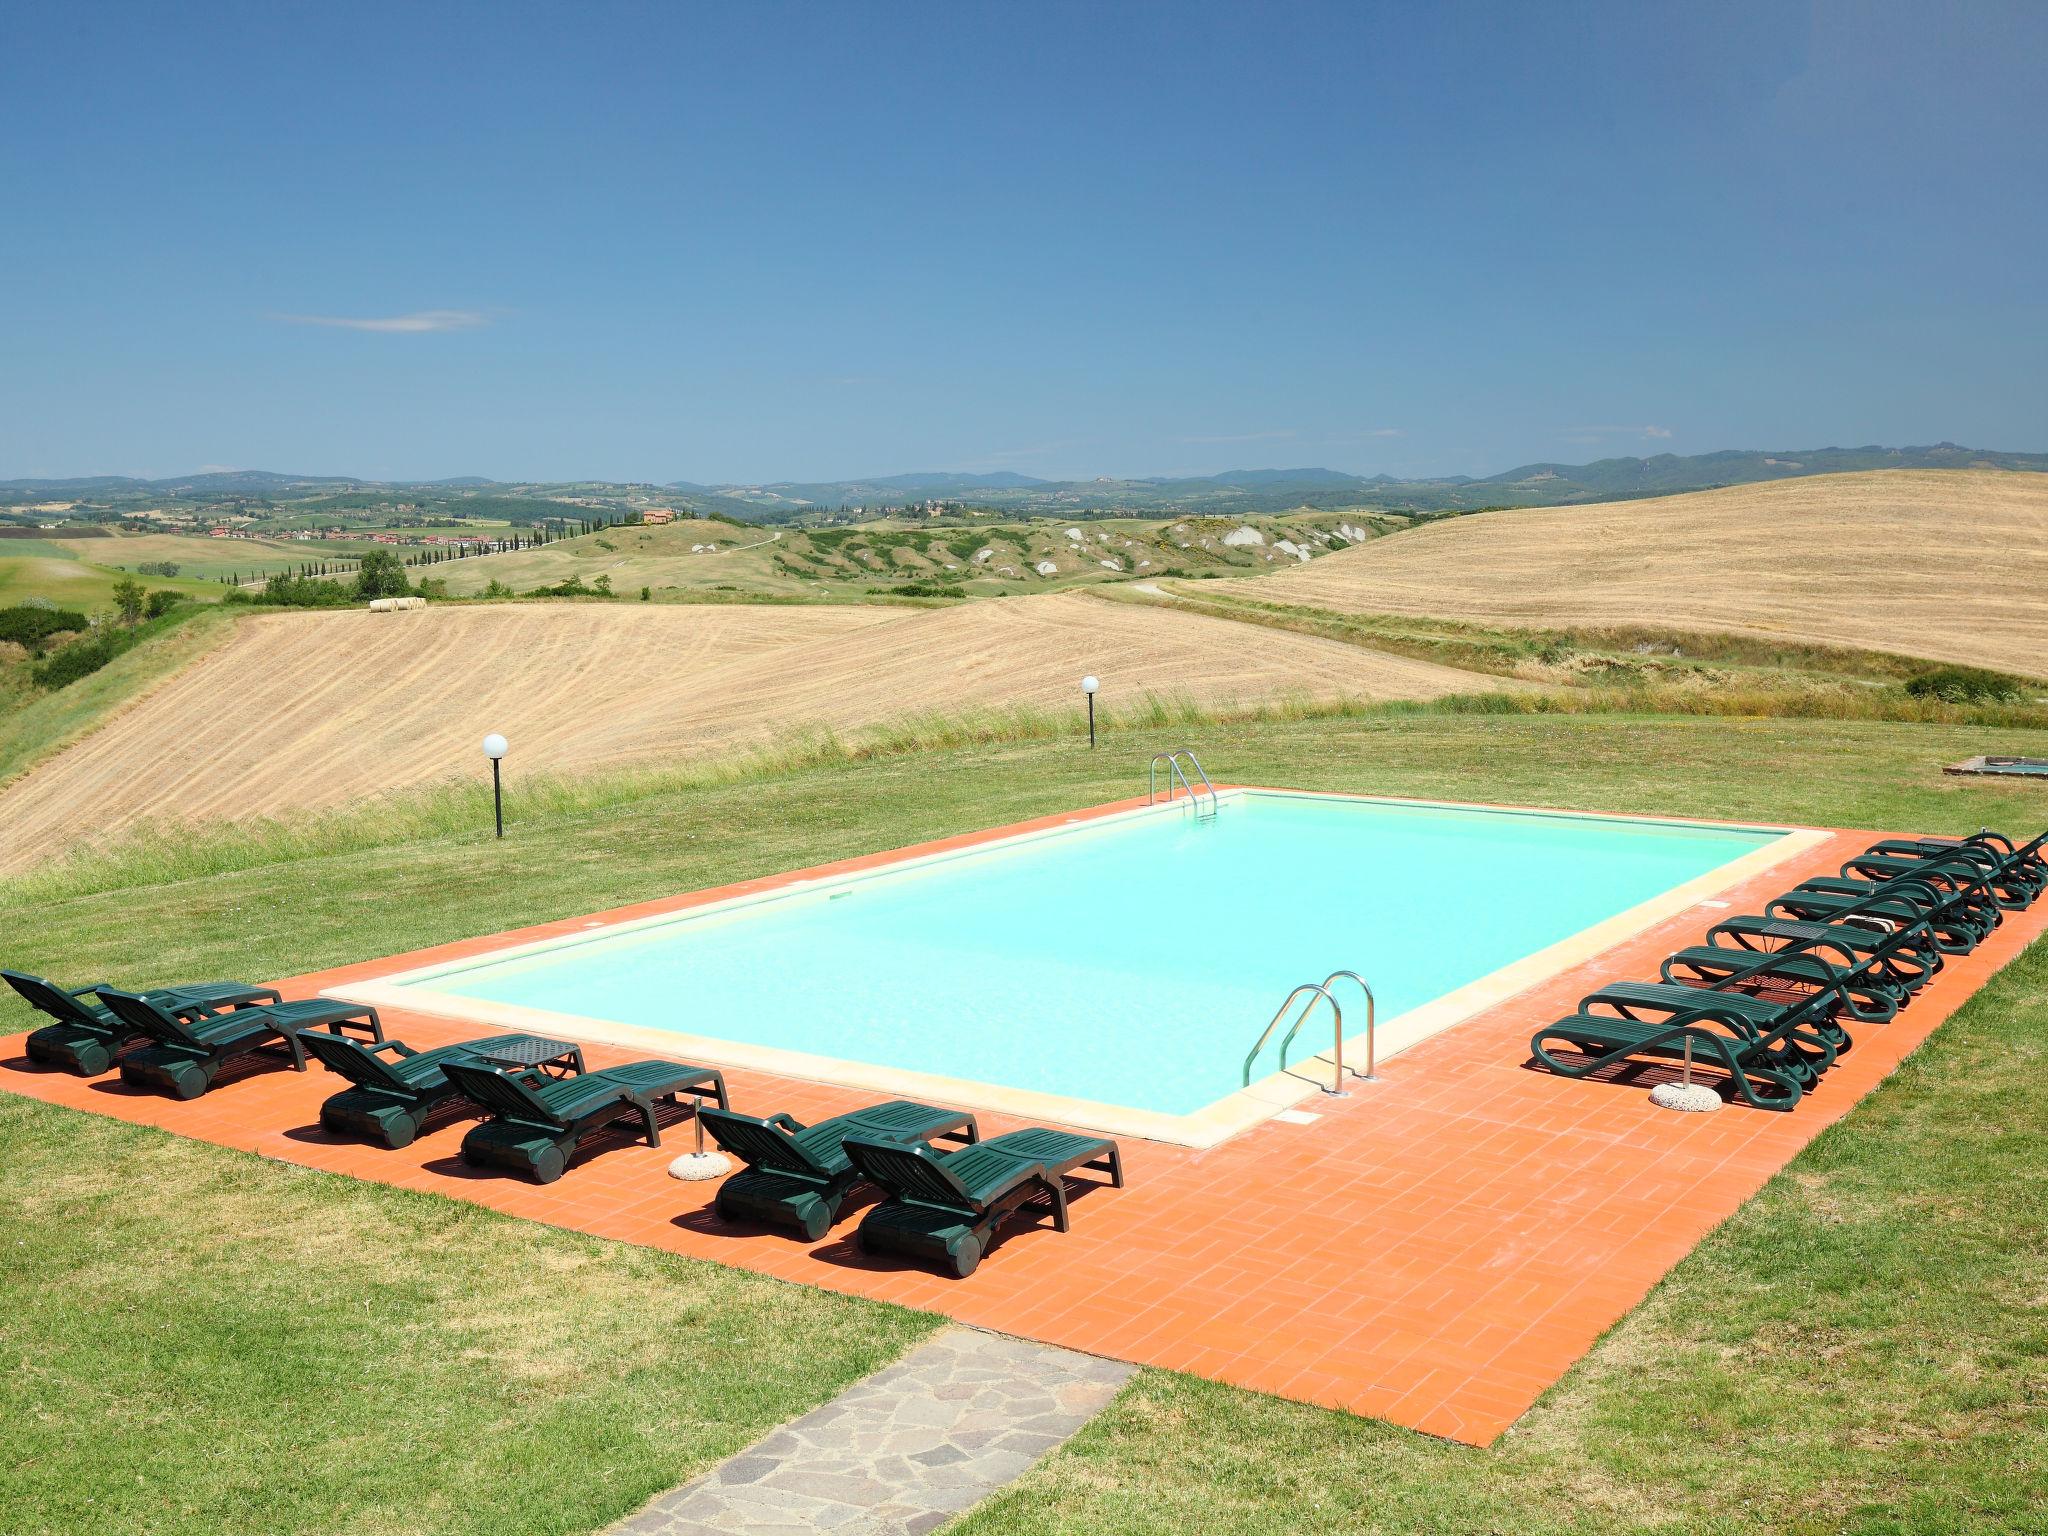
196	1341
1862	1349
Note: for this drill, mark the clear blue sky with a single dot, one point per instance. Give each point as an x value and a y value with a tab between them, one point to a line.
751	242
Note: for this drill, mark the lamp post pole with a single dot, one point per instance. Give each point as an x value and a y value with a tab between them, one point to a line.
1088	686
495	747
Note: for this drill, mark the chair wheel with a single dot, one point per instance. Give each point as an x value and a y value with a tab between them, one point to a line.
966	1257
549	1165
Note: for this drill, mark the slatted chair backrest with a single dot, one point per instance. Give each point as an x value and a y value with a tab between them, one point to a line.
911	1172
1956	872
760	1143
361	1066
160	1024
501	1094
45	996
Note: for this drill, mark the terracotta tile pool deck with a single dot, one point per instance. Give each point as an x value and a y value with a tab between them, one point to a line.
1435	1250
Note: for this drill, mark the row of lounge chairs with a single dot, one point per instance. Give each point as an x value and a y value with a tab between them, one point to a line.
942	1206
1768	997
939	1206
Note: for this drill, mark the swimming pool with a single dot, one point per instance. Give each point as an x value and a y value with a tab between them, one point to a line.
1113	970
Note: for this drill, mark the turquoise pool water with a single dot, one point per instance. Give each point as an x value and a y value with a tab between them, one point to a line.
1132	962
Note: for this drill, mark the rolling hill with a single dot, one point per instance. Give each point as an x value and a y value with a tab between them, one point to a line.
80	573
1948	565
704	556
309	711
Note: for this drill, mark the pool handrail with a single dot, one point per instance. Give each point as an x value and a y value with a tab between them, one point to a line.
1175	775
1371	1072
1336	1090
1322	990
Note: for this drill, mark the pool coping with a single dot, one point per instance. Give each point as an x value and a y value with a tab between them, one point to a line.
1229	1115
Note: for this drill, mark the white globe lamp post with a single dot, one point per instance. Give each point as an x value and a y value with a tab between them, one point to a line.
495	748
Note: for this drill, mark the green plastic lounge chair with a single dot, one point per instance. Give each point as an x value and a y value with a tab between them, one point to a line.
1808	958
2014	884
1959	884
184	1057
536	1122
390	1099
1771	1052
1907	956
946	1207
87	1036
798	1176
2022	871
1956	925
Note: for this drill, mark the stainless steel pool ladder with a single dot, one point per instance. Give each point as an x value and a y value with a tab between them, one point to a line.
1316	990
1174	775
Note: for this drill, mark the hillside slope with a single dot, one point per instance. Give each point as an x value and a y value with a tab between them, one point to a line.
307	711
1946	564
706	557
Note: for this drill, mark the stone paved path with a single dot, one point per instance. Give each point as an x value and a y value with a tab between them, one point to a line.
901	1452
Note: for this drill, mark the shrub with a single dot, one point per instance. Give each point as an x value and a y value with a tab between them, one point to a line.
296	592
82	659
164	568
159	603
128	598
920	589
32	624
646	593
573	587
1966	685
382	574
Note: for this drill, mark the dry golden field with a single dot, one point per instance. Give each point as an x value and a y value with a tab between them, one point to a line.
1946	564
307	711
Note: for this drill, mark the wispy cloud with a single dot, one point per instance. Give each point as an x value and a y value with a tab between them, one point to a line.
1387	432
1244	437
418	321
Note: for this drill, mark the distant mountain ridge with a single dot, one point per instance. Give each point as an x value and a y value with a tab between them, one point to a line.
1273	490
1233	491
